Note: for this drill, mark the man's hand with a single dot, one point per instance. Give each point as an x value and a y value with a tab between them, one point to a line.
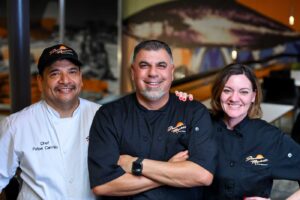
181	156
183	96
125	161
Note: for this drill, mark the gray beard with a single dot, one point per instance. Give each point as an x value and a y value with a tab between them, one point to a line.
153	95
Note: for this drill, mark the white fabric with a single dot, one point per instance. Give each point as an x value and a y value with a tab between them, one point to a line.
51	151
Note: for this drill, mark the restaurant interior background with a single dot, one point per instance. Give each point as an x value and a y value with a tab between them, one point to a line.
202	34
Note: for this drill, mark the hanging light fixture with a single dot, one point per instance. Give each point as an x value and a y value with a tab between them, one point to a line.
234	54
291	20
291	17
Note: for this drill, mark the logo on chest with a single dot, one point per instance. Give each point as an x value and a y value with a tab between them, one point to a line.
258	160
179	128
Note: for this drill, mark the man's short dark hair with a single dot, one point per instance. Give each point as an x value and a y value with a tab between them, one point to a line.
152	45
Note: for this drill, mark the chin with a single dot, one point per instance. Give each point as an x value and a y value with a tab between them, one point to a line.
152	96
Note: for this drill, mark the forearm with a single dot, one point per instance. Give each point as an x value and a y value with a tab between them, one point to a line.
177	174
126	185
295	196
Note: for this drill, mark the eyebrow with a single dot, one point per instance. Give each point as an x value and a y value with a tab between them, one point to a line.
162	62
53	70
144	62
239	89
158	63
74	68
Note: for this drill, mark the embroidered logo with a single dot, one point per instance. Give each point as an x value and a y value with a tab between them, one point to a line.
258	160
61	50
179	128
44	146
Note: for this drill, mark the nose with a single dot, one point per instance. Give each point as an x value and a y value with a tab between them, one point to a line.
152	71
234	96
64	78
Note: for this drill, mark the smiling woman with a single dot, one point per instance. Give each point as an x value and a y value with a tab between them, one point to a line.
252	153
236	99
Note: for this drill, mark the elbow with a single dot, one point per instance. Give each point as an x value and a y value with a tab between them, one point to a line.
99	191
205	179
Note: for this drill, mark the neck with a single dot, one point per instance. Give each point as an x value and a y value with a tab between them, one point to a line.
64	109
153	104
231	123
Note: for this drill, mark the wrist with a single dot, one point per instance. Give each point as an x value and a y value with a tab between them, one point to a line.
137	167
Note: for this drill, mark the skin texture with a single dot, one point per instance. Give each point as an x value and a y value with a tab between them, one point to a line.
152	73
295	196
236	99
60	85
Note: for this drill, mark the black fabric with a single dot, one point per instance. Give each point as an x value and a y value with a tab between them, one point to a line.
280	90
125	127
295	133
11	191
250	157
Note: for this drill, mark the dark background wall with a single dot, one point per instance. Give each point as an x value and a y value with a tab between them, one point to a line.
77	11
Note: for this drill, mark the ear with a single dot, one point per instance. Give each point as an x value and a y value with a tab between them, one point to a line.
132	72
253	97
39	79
173	69
81	85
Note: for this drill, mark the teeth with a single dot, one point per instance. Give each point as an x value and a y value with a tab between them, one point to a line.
65	89
152	83
234	105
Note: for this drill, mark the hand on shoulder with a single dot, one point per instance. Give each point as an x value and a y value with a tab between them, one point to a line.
183	96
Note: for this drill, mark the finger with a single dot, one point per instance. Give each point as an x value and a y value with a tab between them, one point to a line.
191	97
185	152
184	96
182	153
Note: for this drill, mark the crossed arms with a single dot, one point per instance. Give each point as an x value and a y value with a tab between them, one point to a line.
177	172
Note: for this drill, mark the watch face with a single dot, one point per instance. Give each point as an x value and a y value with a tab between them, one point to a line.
137	167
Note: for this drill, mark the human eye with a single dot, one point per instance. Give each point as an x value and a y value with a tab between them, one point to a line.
143	65
73	71
162	65
244	92
226	90
54	74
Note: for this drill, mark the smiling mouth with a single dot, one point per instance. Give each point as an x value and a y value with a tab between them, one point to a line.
153	83
65	89
234	105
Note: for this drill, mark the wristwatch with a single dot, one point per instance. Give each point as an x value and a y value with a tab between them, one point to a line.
137	167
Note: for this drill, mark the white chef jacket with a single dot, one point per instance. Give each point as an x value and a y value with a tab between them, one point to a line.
51	151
